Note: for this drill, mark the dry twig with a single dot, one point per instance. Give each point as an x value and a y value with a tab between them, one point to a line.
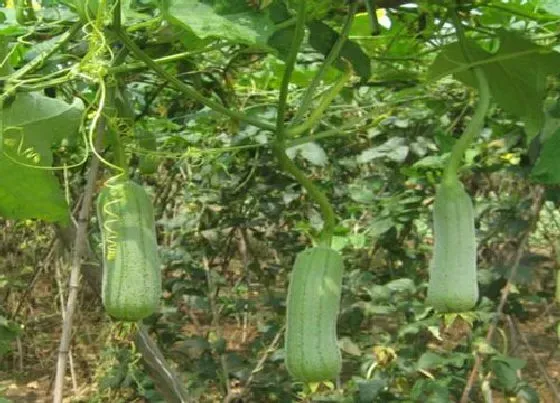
538	201
78	252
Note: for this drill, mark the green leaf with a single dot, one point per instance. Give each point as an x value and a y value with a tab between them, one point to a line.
550	126
315	9
339	242
312	152
348	346
8	23
5	67
379	293
430	360
30	193
513	362
523	10
379	226
458	360
401	285
238	25
431	161
519	84
322	39
281	40
517	79
547	167
430	391
505	371
358	241
370	389
35	122
394	149
361	193
31	125
8	332
527	394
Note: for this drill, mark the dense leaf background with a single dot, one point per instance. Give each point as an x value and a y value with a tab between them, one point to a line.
230	221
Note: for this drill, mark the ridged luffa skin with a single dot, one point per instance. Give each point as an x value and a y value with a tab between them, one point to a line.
312	353
131	281
453	284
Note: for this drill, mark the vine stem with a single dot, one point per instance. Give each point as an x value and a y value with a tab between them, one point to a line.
187	90
114	112
113	130
131	67
330	94
37	62
279	147
5	69
327	212
100	124
78	251
290	65
477	121
450	177
329	60
473	128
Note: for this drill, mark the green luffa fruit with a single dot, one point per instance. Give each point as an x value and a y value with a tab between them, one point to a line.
131	288
453	284
313	302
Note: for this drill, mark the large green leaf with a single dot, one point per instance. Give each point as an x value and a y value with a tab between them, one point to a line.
30	193
35	122
322	38
31	125
238	25
282	40
517	77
